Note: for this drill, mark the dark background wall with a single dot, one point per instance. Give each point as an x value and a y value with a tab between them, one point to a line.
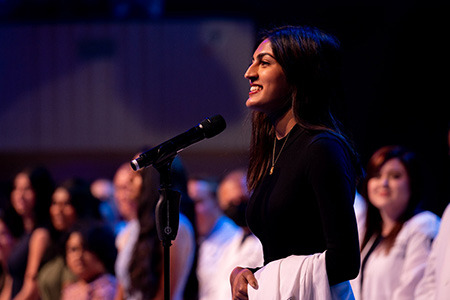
395	77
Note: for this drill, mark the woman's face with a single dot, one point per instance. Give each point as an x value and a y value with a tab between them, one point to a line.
389	190
23	197
81	262
268	84
127	186
62	213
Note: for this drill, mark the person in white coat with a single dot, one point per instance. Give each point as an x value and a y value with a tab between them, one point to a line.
226	239
397	235
435	284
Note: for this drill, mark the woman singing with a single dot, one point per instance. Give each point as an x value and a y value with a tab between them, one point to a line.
302	170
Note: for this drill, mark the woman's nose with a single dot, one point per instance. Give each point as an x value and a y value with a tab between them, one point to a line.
250	73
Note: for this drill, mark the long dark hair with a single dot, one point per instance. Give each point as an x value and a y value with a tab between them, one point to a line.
43	186
97	238
85	204
412	165
146	262
311	62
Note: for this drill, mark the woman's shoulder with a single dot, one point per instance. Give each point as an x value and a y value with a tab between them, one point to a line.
185	239
325	139
185	227
105	280
39	235
424	222
329	146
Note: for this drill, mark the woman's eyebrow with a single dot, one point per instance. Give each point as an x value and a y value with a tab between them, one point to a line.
262	54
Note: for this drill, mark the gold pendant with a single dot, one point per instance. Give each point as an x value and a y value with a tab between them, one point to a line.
271	170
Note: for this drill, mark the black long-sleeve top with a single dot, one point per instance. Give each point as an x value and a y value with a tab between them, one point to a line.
306	205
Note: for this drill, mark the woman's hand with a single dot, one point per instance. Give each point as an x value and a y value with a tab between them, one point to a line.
239	279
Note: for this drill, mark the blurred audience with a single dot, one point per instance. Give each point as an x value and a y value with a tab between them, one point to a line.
179	183
215	232
90	255
396	233
126	187
207	211
54	245
71	201
244	249
30	203
226	240
139	266
103	190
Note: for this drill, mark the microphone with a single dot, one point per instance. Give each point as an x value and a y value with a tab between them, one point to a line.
207	128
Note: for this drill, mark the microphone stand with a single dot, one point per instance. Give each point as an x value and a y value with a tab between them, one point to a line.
167	216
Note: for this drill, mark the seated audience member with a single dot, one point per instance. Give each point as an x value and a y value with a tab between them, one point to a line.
30	202
71	201
397	235
215	232
139	266
125	187
90	255
244	249
435	284
227	241
207	211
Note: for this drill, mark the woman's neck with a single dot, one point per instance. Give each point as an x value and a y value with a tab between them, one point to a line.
284	124
389	222
28	223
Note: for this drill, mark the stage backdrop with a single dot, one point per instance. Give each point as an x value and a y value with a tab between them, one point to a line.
82	98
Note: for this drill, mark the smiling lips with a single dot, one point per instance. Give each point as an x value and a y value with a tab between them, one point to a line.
254	89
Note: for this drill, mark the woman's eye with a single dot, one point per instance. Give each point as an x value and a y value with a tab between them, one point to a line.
396	175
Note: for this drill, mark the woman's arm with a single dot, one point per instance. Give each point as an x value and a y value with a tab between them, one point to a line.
332	176
5	293
119	292
39	241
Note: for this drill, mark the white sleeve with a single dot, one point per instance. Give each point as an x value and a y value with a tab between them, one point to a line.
418	248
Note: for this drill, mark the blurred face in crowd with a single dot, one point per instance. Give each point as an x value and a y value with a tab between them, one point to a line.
268	83
206	208
127	185
23	197
232	191
233	197
62	213
389	190
81	262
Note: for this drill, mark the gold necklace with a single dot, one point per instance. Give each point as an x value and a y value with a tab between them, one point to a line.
274	160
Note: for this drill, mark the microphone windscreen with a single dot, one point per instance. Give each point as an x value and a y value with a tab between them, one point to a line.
213	126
